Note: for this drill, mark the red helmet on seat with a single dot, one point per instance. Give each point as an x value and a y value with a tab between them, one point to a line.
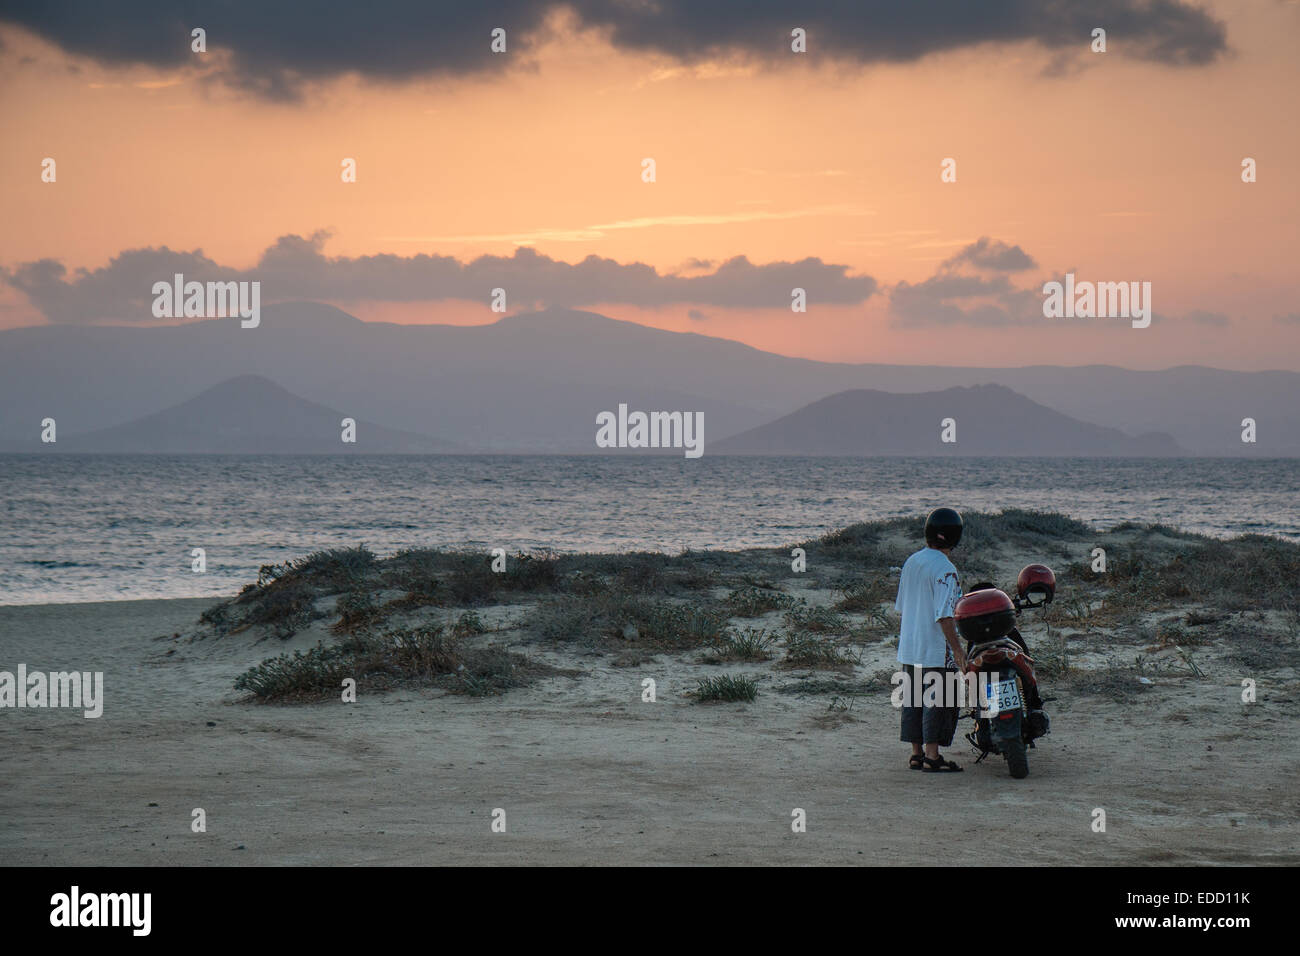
1036	584
984	615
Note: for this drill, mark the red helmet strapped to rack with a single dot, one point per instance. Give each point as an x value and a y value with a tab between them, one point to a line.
984	615
1036	584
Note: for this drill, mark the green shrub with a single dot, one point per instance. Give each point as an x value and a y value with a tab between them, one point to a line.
1248	573
318	671
748	644
867	595
217	616
285	605
338	568
755	602
416	571
679	625
809	650
490	671
571	618
529	572
642	571
820	620
472	580
423	653
357	611
726	688
621	615
468	625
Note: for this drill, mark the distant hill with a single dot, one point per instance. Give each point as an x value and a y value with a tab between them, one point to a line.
245	415
535	382
990	420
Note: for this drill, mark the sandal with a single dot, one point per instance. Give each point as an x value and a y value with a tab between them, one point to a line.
939	764
916	762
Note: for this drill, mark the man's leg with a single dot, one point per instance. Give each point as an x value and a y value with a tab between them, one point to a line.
911	731
939	723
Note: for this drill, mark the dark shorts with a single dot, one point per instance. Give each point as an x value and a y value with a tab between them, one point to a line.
927	725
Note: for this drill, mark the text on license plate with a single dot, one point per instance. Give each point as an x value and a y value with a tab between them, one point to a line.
1002	695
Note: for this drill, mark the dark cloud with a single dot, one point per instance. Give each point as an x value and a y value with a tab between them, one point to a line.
991	255
1167	31
276	47
696	314
120	290
952	297
296	268
1290	318
949	299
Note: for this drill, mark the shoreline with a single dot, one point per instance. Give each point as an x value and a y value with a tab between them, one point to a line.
757	552
114	603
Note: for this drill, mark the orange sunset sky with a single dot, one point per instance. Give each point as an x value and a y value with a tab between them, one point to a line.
1118	166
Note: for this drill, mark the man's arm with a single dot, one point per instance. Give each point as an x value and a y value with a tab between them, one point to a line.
954	642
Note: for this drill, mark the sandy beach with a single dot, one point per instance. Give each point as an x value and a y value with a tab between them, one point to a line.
552	434
588	773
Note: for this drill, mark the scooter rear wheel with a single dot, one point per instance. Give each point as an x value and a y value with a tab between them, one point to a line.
1017	757
1011	744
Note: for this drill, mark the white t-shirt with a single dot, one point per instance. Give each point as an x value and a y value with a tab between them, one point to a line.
927	592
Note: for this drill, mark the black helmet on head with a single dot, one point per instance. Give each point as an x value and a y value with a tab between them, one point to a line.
943	528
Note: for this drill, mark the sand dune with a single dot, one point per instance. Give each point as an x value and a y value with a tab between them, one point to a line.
588	773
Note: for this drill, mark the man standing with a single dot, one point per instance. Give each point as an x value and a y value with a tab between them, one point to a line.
928	644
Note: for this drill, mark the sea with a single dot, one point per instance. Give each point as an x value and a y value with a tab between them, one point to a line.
77	528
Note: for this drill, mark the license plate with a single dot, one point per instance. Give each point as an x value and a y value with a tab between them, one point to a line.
1001	696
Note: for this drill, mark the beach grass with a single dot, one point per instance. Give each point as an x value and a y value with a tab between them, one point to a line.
397	656
745	644
726	688
1172	596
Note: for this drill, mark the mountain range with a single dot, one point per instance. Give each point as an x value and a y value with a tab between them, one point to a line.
249	415
985	420
535	382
